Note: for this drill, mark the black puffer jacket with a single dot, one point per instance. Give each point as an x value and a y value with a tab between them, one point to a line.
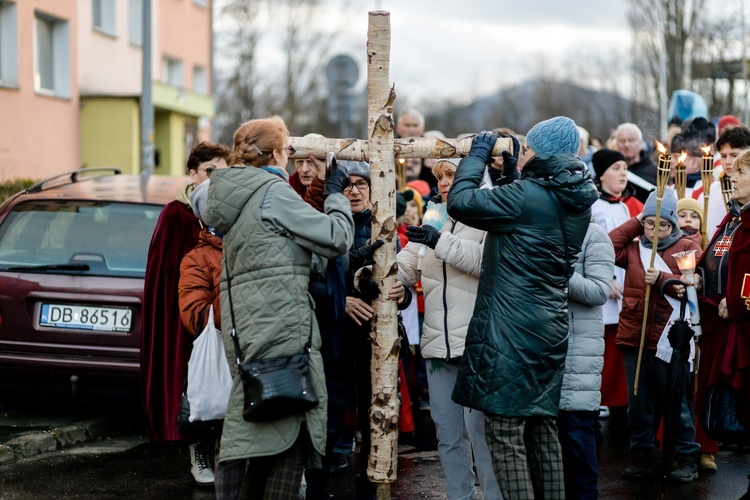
517	340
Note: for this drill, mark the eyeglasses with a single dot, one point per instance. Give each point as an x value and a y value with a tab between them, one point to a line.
209	169
289	149
360	185
663	226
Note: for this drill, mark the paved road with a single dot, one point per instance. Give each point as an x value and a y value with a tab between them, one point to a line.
126	465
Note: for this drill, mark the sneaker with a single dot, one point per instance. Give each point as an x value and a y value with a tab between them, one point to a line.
604	412
339	463
686	470
707	463
201	466
640	465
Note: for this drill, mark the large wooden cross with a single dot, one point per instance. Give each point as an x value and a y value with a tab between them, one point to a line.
380	151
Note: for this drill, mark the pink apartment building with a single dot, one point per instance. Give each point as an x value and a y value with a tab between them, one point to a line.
70	84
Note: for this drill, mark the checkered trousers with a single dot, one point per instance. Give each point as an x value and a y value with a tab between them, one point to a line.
526	456
277	477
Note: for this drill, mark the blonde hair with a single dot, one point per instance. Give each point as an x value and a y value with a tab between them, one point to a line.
435	168
742	162
256	139
417	200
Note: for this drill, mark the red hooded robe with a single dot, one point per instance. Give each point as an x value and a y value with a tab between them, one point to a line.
165	342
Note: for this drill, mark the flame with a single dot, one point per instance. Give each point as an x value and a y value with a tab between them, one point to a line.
661	148
402	161
682	157
706	150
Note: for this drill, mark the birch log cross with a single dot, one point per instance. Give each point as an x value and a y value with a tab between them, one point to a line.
380	151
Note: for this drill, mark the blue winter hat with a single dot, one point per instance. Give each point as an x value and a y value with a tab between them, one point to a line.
556	135
668	207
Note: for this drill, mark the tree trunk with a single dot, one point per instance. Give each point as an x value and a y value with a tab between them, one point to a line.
408	147
384	407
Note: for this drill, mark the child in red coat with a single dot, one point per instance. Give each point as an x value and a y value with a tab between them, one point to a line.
635	256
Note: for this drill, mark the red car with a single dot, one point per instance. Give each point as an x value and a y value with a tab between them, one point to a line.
72	261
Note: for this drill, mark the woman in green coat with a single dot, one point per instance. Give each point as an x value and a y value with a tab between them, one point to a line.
270	237
513	362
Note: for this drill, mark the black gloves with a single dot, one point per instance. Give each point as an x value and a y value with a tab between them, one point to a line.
336	180
510	161
427	235
482	144
510	172
368	289
359	256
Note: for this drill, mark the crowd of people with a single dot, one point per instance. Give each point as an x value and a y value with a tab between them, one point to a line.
525	309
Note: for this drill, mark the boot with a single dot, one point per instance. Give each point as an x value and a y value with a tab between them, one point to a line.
707	463
640	465
686	470
201	466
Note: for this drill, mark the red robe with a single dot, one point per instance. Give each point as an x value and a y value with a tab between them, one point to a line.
165	342
725	345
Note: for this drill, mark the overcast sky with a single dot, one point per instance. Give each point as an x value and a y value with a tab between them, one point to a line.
464	48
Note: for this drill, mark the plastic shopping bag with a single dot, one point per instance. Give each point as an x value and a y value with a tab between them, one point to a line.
209	379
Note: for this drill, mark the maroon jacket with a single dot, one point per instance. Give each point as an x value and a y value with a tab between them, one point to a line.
628	256
165	342
725	344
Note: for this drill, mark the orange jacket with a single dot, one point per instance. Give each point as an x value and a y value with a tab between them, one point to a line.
198	288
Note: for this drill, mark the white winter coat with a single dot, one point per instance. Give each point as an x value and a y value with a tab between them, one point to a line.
588	289
450	277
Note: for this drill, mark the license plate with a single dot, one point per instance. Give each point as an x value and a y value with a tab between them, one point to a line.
102	319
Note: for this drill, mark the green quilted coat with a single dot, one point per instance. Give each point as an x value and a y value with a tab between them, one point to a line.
270	234
517	340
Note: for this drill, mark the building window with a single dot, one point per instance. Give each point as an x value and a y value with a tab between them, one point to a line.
172	71
104	16
51	55
200	79
8	45
135	22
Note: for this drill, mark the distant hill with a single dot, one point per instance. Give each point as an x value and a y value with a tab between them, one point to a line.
522	106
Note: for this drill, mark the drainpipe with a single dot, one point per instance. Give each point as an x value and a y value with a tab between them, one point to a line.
147	105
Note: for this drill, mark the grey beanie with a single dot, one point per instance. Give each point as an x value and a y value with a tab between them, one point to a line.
358	168
668	207
556	135
199	201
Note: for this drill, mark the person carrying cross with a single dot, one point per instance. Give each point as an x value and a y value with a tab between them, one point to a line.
514	357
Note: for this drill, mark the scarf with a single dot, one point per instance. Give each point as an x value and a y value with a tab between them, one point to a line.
274	169
667	242
184	195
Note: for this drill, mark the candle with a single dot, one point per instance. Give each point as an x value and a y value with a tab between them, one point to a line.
662	170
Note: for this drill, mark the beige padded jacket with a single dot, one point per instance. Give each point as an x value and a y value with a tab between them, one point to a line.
450	277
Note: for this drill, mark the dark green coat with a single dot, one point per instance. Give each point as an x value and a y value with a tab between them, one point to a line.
515	348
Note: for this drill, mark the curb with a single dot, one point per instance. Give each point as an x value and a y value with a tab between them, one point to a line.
57	438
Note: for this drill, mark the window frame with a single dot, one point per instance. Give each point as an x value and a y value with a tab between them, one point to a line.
203	79
60	56
8	44
135	22
168	65
108	17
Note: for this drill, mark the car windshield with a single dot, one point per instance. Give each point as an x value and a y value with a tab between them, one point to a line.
78	238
